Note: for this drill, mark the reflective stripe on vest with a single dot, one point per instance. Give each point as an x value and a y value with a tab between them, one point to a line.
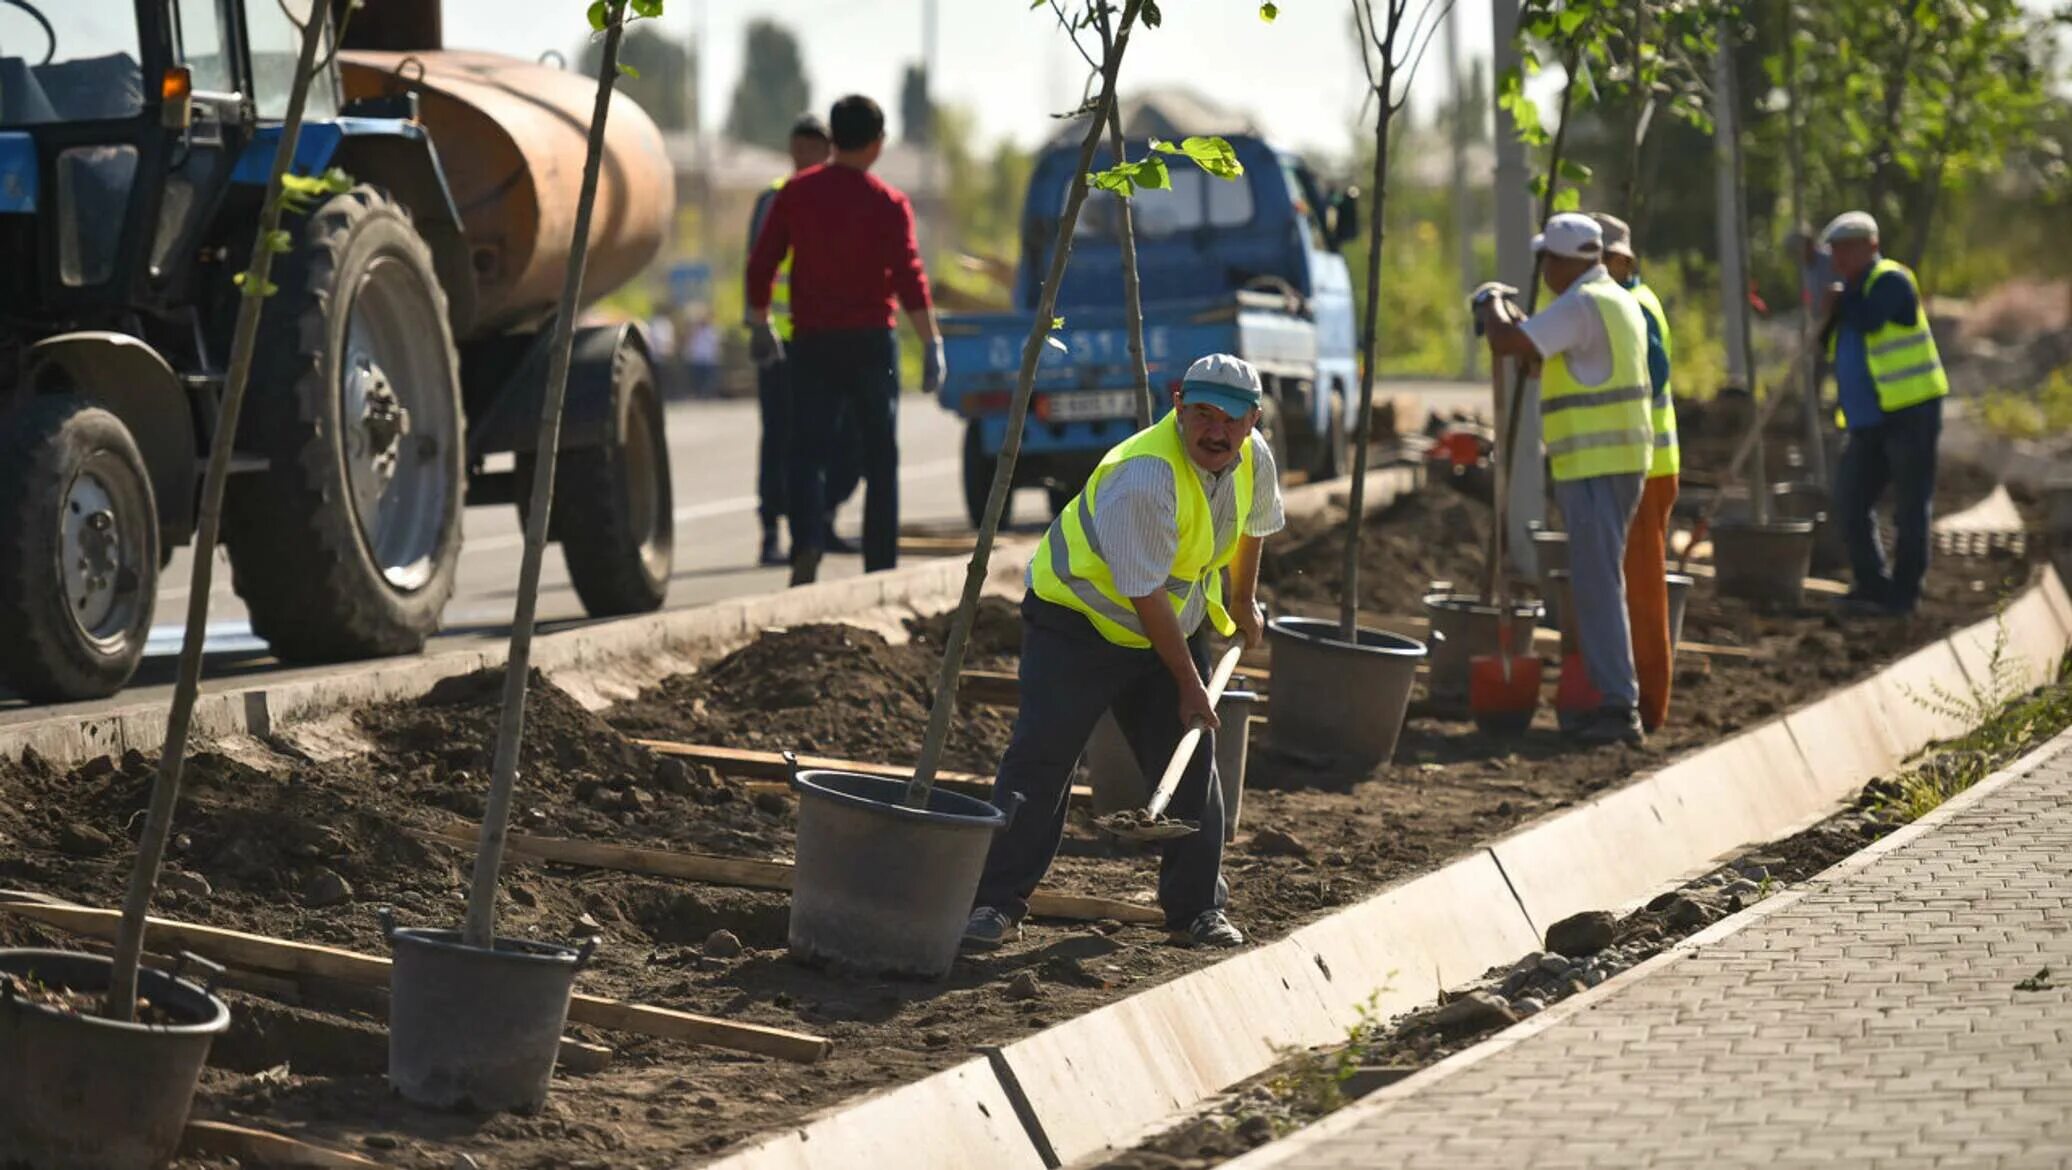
1905	366
780	288
1603	429
1668	458
1069	568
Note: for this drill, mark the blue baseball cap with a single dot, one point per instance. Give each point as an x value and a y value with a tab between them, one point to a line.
1229	384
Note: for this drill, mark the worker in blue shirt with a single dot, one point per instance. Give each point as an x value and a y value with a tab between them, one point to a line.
1891	384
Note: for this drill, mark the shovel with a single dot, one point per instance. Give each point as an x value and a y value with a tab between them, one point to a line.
1150	822
1504	688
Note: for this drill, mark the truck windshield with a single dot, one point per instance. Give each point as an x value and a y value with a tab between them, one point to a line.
64	61
1195	201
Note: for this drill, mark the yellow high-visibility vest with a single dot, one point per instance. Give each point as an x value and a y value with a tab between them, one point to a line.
1668	457
1603	429
1069	570
780	288
1905	366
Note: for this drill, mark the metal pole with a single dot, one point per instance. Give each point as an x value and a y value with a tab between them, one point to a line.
1809	296
1463	219
1514	220
1733	270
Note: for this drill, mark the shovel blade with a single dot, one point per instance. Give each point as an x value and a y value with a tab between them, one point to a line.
1504	697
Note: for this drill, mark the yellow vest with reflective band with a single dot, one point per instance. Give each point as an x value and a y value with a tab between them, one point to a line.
1602	429
1905	365
780	288
1069	570
1668	458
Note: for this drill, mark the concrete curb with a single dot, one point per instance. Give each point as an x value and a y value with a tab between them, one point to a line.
1116	1075
597	663
960	1116
1387	1097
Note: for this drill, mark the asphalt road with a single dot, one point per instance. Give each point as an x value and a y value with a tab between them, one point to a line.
712	448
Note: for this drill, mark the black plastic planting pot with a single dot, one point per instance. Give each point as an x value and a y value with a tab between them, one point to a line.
1336	699
78	1092
1118	783
1679	602
1764	564
1463	629
1809	501
880	888
474	1028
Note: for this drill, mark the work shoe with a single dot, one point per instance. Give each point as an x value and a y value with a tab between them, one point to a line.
1862	605
988	928
773	552
1612	725
805	564
1212	928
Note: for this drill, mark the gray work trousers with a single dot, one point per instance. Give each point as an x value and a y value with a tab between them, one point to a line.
1597	512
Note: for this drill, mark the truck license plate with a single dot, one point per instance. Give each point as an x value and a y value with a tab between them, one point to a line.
1083	405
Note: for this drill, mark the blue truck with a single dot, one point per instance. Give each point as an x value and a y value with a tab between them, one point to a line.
1248	266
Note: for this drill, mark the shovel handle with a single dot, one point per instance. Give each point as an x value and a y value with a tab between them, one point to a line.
1184	752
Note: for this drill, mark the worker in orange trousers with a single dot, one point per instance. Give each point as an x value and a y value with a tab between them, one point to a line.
1647	541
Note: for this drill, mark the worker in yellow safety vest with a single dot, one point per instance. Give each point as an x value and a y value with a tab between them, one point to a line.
810	147
1164	538
1597	423
1647	541
1891	383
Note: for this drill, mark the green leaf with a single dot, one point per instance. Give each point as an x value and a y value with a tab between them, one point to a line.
1210	153
264	290
1570	19
1574	171
1150	15
1567	199
1269	12
647	9
279	243
600	12
1056	323
626	70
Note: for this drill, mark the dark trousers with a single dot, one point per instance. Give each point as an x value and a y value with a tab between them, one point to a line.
773	397
838	377
1070	676
1898	453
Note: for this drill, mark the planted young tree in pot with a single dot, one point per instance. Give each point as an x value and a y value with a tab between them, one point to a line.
887	870
111	1091
1340	691
475	1020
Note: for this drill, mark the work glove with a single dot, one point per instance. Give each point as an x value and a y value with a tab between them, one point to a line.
934	368
1485	294
764	347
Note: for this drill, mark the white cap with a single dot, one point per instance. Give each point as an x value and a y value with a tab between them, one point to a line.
1850	225
1227	383
1571	234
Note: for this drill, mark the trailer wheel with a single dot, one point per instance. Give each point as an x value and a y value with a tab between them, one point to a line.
347	545
978	479
613	508
78	551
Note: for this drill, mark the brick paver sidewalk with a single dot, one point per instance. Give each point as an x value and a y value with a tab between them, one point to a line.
1870	1018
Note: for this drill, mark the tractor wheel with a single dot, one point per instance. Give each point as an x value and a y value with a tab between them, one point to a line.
613	511
78	552
347	545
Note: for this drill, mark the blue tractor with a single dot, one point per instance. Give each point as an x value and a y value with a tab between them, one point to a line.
399	365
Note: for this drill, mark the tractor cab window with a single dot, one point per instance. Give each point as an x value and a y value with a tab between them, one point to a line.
66	61
202	46
276	42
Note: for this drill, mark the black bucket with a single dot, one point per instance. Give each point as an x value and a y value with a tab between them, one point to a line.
1118	784
1550	554
80	1091
1763	564
473	1028
1679	601
1809	501
1337	699
1463	629
880	888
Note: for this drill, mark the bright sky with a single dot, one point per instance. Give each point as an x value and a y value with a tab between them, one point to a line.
1300	76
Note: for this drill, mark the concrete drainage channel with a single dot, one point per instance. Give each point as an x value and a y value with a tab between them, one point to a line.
1106	1079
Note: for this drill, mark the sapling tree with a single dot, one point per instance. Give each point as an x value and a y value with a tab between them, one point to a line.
1124	178
608	18
284	193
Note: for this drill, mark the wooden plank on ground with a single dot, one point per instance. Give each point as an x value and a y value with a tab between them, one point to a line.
751	874
237	948
259	1148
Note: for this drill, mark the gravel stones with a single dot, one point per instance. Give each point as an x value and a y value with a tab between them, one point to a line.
83	840
1024	986
1474	1012
722	944
328	889
1583	934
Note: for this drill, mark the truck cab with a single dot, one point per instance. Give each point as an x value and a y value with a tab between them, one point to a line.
1248	266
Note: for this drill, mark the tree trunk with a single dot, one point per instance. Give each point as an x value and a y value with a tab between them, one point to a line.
480	928
1017	417
1132	290
165	791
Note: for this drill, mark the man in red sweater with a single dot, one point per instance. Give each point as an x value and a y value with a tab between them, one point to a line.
853	259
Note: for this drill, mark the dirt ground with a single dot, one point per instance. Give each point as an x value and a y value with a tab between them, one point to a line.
307	849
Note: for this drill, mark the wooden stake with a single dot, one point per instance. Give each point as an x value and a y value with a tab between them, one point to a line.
234	947
260	1148
754	875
